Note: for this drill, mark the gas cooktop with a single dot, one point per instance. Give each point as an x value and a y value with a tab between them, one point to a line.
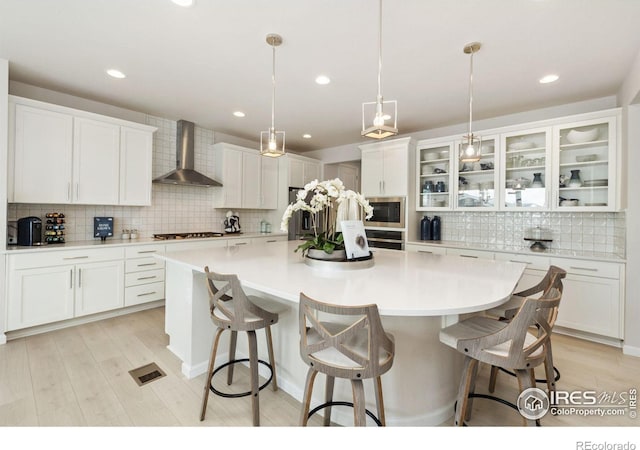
205	234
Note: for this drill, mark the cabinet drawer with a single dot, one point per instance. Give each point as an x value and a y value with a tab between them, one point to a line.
142	251
144	293
426	249
140	264
144	277
532	261
269	240
470	253
239	242
55	258
589	268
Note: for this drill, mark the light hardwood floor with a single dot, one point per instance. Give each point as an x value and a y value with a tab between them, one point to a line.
79	377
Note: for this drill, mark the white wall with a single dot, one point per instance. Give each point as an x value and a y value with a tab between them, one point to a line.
629	100
4	89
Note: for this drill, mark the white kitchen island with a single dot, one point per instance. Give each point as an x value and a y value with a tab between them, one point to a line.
416	294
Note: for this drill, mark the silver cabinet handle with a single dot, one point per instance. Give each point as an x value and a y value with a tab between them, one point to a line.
70	278
240	243
590	269
516	261
79	277
146	278
468	256
69	191
273	240
146	293
147	251
147	264
77	191
76	257
424	251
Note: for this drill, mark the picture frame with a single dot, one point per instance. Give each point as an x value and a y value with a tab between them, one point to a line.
355	239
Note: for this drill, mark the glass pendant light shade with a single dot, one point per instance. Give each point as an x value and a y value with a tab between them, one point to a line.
470	147
380	118
272	141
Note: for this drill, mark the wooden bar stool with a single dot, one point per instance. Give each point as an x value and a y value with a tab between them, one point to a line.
231	309
353	346
507	311
519	345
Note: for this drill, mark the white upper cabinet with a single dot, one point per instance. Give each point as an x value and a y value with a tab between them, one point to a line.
43	146
249	181
303	170
96	162
80	157
385	167
136	152
565	164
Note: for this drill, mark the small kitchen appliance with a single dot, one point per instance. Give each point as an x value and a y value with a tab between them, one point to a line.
12	232
29	231
103	227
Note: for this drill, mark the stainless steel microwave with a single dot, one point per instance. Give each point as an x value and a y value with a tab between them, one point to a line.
387	212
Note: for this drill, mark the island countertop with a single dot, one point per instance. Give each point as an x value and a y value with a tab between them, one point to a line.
400	283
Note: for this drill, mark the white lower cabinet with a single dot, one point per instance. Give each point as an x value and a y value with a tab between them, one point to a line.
430	249
61	285
467	253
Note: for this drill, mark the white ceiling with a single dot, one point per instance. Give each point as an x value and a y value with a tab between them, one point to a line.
204	62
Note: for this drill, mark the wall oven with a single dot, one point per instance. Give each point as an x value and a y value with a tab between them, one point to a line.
385	239
387	212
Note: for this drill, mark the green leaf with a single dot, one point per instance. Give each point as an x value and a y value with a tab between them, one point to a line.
328	247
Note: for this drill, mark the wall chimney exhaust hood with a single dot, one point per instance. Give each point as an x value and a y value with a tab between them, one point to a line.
184	172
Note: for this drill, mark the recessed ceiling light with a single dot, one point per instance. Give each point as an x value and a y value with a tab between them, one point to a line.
323	79
185	3
549	79
116	73
306	136
239	114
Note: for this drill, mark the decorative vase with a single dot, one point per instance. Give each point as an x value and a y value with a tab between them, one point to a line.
337	255
575	180
537	180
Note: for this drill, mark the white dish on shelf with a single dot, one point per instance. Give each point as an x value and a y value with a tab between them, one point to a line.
521	145
487	149
444	154
586	158
595	183
580	137
595	204
426	170
430	156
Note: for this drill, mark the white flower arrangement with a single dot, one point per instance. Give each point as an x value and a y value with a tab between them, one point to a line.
328	204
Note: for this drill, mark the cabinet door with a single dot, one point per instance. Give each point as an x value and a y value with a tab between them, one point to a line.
43	145
232	179
525	175
395	169
296	173
433	172
475	184
311	171
136	149
99	287
372	172
586	166
269	183
96	162
349	176
251	180
467	253
39	296
591	304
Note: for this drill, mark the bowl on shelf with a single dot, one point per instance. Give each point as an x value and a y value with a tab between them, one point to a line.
521	145
430	156
569	202
487	149
443	154
595	183
582	136
586	158
426	170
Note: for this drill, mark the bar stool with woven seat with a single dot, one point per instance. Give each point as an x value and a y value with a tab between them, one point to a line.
552	279
519	345
231	309
354	347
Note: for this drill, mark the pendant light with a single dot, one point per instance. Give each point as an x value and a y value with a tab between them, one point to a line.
470	146
376	122
272	141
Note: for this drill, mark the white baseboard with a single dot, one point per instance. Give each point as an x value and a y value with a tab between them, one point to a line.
630	350
589	336
3	338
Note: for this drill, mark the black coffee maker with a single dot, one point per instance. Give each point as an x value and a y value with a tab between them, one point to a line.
30	231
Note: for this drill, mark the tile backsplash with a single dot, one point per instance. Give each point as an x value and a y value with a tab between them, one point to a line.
581	232
174	209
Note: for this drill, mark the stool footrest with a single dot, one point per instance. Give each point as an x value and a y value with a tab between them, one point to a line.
240	394
327	404
541	380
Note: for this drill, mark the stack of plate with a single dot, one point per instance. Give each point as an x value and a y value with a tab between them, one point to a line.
595	183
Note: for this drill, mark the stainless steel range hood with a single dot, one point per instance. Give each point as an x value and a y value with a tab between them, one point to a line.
184	172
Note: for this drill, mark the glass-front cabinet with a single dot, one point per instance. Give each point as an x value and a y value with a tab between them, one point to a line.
586	165
475	183
434	175
525	181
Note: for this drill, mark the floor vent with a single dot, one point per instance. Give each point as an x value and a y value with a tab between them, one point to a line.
146	374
